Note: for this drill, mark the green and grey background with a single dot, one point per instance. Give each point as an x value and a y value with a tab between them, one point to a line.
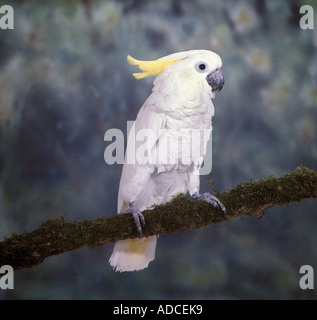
64	81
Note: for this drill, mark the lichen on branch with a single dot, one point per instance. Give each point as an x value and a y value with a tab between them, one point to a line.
58	236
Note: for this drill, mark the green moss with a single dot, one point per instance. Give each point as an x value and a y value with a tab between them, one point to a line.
181	213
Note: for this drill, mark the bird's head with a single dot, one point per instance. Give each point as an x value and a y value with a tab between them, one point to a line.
192	74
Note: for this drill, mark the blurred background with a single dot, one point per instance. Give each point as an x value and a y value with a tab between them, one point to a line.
64	81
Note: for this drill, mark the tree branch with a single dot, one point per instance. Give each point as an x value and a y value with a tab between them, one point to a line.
57	236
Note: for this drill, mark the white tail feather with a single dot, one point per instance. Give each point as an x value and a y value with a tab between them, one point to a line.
133	254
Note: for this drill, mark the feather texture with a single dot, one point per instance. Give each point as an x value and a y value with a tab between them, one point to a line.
150	68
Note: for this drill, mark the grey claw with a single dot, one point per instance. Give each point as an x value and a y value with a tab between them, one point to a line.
137	215
207	197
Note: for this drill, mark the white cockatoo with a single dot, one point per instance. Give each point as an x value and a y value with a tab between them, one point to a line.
167	143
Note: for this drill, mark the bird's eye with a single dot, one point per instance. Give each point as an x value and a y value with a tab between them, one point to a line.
201	67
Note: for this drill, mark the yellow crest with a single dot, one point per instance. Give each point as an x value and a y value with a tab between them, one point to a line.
151	68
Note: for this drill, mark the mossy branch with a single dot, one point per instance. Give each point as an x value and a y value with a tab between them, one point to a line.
57	236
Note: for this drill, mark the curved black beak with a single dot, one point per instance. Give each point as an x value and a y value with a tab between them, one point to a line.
216	80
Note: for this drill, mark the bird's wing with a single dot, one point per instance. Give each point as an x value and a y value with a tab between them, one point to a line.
136	169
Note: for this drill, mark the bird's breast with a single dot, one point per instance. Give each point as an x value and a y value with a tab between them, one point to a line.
179	149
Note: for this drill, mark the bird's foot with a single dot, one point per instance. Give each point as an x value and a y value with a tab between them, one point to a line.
207	197
137	215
